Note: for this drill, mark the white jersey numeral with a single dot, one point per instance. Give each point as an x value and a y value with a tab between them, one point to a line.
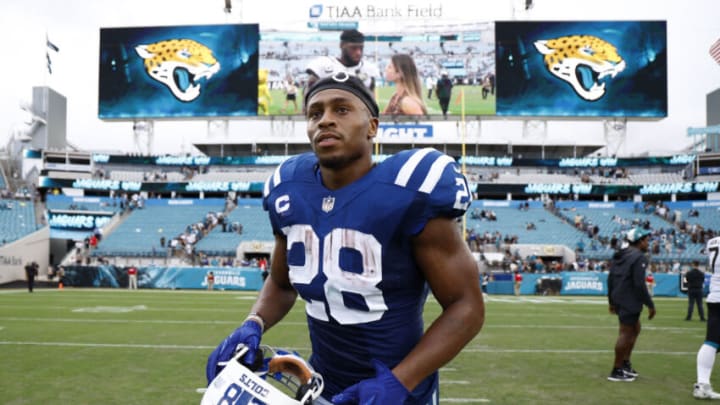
362	282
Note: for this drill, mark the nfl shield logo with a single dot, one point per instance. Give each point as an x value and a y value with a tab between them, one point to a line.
328	204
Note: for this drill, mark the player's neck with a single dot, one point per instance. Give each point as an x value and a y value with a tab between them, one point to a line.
347	62
336	178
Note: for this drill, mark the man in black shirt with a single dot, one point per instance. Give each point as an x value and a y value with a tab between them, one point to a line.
695	281
443	90
627	293
31	270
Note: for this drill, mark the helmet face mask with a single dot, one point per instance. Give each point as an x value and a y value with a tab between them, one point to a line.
283	379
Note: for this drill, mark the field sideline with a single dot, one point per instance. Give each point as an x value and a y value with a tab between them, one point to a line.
83	346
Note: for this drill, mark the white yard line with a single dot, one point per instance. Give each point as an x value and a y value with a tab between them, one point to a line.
201	347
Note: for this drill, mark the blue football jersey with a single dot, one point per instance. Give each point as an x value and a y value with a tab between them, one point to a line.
350	256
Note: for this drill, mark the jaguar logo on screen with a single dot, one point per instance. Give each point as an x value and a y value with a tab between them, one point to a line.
587	63
180	65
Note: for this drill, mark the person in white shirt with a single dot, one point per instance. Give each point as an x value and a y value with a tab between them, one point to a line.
706	355
352	45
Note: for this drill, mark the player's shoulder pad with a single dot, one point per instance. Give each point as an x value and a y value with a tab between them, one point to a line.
321	66
714	242
434	176
421	170
296	168
371	69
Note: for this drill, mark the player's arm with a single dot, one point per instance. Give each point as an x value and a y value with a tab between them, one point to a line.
451	272
610	287
277	295
638	274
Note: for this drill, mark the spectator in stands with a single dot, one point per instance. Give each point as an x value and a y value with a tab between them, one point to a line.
627	293
443	90
407	99
580	246
695	282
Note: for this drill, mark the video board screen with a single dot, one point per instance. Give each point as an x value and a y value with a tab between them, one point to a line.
467	57
582	68
178	71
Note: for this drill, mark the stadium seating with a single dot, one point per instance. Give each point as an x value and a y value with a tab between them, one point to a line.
139	234
17	219
256	226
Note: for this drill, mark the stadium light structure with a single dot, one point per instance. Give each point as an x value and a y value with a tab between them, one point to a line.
23	132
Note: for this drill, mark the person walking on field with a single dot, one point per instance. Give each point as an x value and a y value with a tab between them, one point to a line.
627	293
695	281
31	273
443	90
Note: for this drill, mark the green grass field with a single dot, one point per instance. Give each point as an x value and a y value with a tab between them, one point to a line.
91	346
474	103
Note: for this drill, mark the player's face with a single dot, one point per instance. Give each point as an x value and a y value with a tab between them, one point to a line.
644	244
391	73
340	128
351	53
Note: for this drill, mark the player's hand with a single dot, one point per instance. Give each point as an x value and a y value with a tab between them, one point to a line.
651	313
385	388
249	334
611	309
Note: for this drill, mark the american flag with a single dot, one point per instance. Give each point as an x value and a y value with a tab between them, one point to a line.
715	51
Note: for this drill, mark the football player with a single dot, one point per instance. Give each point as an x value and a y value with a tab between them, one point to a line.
706	355
362	244
627	293
352	46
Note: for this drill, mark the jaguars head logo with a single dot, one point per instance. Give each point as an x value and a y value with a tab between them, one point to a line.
179	64
583	61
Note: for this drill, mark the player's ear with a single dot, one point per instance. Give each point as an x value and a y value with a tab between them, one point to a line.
373	127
